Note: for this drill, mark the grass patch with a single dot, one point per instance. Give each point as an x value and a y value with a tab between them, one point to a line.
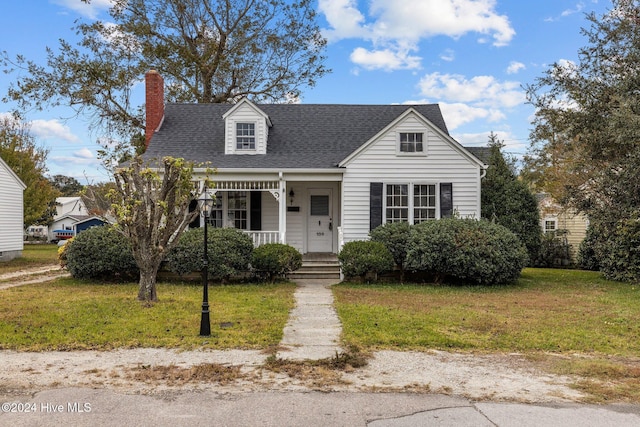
33	255
546	310
70	314
566	322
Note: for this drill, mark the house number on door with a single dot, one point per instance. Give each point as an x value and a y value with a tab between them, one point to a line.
320	233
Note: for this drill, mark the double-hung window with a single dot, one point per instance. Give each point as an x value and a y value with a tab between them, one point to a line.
237	211
397	203
215	216
550	225
413	203
245	136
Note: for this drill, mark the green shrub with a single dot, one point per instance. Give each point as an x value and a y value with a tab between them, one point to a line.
619	252
275	260
395	237
100	253
466	250
587	251
228	251
359	258
555	250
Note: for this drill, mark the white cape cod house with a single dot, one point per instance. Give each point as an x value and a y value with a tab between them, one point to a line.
316	176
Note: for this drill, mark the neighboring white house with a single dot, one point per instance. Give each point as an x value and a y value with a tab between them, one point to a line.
69	211
11	213
70	206
316	176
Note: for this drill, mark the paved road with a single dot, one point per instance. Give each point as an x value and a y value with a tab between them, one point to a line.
90	407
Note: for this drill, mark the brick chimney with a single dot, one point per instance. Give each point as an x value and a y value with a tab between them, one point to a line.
154	88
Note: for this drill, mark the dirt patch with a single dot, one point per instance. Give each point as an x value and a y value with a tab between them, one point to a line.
508	377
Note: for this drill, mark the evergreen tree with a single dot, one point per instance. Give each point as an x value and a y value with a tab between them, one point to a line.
508	201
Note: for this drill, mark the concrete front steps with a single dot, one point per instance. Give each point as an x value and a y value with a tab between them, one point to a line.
317	266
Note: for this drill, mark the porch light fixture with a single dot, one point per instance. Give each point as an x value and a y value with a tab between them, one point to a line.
206	206
291	196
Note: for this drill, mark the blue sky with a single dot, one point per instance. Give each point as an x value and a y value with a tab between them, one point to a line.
470	56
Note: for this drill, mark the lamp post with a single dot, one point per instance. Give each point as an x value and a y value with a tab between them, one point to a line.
206	205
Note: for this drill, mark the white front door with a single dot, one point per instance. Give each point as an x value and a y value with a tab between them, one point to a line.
320	221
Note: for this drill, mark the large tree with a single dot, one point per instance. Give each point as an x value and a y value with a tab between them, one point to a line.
508	201
586	135
587	122
67	185
208	51
19	150
151	204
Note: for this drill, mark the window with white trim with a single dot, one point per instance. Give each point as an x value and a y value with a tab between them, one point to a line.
424	202
237	211
215	216
413	203
550	225
397	206
411	142
245	136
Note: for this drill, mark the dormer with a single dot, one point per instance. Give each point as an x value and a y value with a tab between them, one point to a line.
246	129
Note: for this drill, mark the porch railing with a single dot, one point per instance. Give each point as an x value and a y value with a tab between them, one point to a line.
262	237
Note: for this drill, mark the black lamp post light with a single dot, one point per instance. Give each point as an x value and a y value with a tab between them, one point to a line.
206	205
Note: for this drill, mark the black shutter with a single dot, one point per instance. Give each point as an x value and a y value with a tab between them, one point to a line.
446	199
256	210
375	205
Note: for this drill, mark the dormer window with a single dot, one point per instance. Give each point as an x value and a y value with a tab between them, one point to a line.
245	136
411	142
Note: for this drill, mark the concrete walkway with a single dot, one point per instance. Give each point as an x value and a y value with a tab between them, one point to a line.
313	330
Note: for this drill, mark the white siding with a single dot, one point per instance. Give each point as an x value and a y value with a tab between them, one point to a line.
11	211
379	162
269	212
246	114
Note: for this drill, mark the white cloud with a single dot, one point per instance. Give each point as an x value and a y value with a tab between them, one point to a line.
458	114
483	91
344	17
90	10
514	67
411	20
84	153
386	59
567	12
48	129
448	55
395	27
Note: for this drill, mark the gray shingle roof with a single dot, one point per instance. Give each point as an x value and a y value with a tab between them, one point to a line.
303	135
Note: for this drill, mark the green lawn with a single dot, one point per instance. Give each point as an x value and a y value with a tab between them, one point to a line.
72	314
33	255
546	310
565	322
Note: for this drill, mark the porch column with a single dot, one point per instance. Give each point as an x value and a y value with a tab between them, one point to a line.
282	204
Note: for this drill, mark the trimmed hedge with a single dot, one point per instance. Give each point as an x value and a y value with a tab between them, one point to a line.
395	236
359	258
228	251
466	250
275	260
100	253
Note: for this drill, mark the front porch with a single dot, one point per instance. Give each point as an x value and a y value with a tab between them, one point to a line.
303	213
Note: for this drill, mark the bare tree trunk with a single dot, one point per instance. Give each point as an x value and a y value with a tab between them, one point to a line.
147	285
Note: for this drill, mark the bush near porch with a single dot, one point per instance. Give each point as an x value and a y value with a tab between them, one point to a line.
452	250
102	253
